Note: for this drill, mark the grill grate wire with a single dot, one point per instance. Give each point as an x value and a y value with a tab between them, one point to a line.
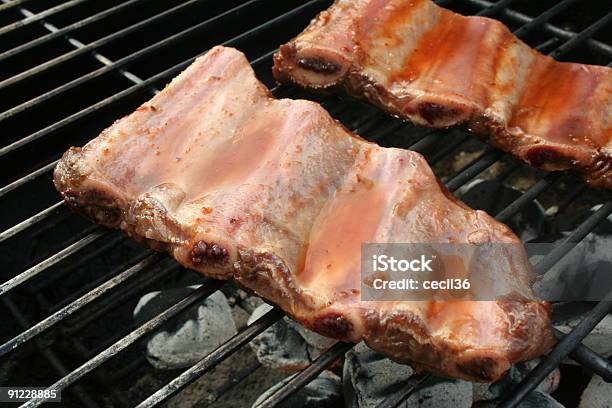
569	344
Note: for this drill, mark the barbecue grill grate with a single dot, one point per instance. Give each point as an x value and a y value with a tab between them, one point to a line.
70	67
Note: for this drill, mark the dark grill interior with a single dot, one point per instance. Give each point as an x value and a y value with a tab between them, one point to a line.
69	68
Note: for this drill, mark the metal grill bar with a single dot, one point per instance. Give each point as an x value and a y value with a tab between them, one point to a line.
100	249
40	16
570	198
429	140
233	381
473	169
589	359
146	278
551	29
582	36
27	178
52	260
574	238
547	44
543	18
458	138
527	197
44	214
495	8
409	388
119	296
93	252
12	3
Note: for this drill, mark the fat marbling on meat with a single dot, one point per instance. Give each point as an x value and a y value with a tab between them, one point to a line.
426	64
278	197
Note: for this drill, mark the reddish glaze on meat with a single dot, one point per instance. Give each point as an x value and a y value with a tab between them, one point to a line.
437	68
278	197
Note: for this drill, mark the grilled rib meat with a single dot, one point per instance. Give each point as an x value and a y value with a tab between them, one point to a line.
277	196
420	62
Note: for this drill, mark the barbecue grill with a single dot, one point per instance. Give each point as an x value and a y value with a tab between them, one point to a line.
71	67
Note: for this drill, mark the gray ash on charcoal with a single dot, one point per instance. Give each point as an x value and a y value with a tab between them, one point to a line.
566	316
598	394
286	345
193	335
584	273
369	377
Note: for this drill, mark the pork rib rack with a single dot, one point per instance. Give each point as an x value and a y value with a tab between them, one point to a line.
433	67
278	197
